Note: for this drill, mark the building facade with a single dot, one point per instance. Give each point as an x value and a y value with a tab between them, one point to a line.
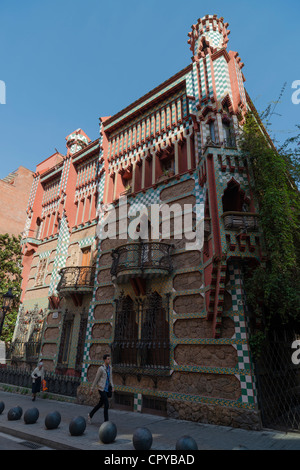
59	234
173	319
14	187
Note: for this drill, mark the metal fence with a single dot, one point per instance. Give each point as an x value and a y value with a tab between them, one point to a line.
278	383
57	384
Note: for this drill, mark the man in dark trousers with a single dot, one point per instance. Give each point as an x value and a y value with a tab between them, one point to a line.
103	381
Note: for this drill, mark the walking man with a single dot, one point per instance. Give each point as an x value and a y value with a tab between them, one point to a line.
104	382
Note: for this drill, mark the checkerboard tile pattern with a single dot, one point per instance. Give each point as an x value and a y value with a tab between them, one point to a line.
247	378
248	389
65	174
137	402
192	89
202	78
33	192
45	254
222	79
209	79
61	255
86	242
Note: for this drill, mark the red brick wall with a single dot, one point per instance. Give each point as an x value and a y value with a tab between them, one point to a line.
13	202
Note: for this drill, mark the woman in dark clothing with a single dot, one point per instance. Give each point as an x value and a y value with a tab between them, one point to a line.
37	377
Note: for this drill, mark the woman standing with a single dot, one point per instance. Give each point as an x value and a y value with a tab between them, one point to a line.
37	377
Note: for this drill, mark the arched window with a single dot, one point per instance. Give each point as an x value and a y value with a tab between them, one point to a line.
38	228
234	198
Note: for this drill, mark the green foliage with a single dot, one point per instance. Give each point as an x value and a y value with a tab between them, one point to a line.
273	287
257	342
10	277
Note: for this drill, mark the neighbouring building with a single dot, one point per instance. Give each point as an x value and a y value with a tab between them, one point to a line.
174	320
59	234
15	189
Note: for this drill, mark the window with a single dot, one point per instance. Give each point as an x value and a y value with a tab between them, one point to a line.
86	256
233	198
85	271
127	183
65	342
228	134
38	228
39	280
168	165
212	131
142	332
80	344
127	180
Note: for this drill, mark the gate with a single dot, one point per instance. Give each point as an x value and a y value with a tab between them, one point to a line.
278	383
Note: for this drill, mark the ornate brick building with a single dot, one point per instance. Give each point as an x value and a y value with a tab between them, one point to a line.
174	321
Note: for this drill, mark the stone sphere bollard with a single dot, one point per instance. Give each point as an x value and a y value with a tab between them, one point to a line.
142	439
13	414
186	443
107	432
77	426
20	411
52	420
31	416
2	406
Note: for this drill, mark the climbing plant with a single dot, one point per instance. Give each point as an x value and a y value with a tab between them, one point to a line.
10	277
273	286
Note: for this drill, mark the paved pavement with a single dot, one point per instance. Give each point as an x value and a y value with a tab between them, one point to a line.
165	431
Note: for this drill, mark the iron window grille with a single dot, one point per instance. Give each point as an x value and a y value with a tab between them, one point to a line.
142	333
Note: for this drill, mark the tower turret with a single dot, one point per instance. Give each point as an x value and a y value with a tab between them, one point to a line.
210	33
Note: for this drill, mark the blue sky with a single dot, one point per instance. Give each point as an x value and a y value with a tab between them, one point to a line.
65	63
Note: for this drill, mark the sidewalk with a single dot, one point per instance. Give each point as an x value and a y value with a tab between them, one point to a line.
165	431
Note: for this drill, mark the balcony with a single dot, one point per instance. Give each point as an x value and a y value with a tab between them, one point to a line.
143	259
241	221
78	280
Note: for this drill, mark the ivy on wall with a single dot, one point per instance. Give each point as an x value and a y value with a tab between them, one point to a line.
273	286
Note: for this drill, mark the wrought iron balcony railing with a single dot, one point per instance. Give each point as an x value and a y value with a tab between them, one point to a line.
76	279
142	259
246	221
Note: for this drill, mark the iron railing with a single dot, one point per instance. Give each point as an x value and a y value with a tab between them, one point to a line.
76	278
141	340
57	384
141	257
230	142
